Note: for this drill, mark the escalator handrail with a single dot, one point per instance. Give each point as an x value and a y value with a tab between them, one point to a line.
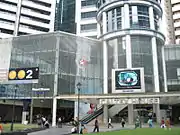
95	114
93	117
91	114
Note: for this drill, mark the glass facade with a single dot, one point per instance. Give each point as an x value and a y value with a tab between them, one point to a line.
74	59
126	28
142	57
139	17
172	59
65	16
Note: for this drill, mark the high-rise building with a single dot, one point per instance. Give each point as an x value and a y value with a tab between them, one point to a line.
65	16
36	16
167	22
171	21
86	18
176	19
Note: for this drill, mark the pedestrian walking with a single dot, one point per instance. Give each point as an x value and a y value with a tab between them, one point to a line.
163	123
96	126
109	123
122	122
59	122
150	122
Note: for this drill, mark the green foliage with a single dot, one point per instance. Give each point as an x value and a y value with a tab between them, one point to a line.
6	127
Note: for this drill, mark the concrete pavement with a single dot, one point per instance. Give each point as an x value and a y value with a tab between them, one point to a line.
67	129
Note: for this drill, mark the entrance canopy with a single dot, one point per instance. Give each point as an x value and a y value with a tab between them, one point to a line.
138	98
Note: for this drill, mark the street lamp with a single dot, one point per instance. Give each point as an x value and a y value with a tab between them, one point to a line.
13	111
79	88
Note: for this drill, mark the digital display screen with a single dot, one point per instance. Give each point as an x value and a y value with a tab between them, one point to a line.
127	79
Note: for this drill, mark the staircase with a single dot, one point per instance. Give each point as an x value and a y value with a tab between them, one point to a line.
115	110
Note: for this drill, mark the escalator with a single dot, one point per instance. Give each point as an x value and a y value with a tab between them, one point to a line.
88	118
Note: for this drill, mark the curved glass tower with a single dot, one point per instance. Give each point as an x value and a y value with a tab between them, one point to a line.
130	31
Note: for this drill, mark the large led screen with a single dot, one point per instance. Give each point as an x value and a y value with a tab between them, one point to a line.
128	80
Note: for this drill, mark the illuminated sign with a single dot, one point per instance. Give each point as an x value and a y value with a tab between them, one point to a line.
130	101
128	80
23	75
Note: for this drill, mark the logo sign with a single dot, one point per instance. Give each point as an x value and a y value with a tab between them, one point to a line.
40	89
23	75
128	80
130	101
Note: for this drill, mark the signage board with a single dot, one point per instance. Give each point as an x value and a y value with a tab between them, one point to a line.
23	75
129	101
128	80
40	89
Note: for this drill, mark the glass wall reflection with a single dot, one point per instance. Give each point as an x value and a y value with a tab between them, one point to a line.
80	60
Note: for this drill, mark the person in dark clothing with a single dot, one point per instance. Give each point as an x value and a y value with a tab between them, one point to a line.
96	126
122	122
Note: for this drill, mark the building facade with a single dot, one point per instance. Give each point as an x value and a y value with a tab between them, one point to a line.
167	22
86	24
172	58
171	21
32	16
131	37
59	57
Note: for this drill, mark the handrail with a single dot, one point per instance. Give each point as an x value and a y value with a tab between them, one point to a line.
91	114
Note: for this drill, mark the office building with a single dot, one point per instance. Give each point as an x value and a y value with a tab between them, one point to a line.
65	16
176	19
171	23
167	22
86	24
36	16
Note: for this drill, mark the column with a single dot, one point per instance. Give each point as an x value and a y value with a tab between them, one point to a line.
128	52
105	114
18	16
154	52
105	66
156	107
130	114
129	65
98	30
156	110
164	71
155	65
31	111
126	17
54	112
55	83
105	57
151	18
25	111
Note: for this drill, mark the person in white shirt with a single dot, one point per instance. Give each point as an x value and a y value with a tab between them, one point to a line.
109	123
60	122
74	130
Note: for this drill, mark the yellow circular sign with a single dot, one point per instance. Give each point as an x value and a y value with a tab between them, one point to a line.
21	74
12	75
